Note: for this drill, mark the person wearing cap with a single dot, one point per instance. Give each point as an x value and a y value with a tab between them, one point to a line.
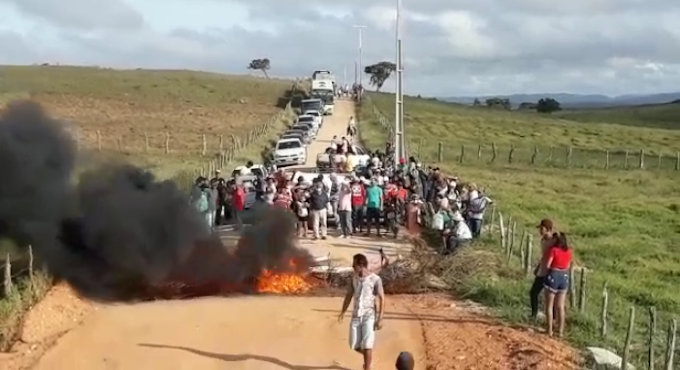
405	361
459	233
546	229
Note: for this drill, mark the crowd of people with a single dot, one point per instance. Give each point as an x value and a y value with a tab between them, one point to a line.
383	198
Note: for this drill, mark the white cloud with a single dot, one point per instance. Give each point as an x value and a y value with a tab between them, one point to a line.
452	47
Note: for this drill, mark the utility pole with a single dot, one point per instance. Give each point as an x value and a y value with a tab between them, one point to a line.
399	142
360	66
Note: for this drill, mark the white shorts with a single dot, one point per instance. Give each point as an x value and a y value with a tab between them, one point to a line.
362	333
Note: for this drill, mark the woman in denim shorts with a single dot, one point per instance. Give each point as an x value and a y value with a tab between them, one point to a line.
557	261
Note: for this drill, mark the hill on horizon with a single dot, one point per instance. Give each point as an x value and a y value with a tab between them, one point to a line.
576	100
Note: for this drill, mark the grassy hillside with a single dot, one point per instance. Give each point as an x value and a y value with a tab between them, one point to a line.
665	116
623	224
127	106
526	132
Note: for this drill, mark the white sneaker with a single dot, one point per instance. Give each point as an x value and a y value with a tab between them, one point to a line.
342	237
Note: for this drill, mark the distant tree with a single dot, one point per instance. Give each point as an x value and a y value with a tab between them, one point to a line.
499	103
476	103
527	106
379	73
260	65
548	105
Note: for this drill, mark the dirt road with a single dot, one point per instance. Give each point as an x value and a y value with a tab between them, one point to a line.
342	250
257	333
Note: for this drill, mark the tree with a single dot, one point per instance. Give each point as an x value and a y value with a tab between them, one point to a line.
476	103
548	105
498	103
379	73
260	65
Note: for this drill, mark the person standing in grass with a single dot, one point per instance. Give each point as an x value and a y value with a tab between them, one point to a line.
368	295
475	216
546	228
556	260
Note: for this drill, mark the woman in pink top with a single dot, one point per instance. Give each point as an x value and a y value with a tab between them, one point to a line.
345	209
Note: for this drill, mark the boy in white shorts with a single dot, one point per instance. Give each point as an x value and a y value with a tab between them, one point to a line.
369	302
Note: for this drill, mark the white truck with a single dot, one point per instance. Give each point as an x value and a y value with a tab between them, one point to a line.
328	161
290	152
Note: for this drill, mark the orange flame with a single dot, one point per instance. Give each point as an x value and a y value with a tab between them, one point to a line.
283	282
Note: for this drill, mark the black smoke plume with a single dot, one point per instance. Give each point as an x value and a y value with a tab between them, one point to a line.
115	231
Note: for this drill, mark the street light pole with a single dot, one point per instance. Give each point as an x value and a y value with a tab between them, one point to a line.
361	53
399	142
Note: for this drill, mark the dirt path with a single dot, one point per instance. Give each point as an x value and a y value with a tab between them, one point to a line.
255	333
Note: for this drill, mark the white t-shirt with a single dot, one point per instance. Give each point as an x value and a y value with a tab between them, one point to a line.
462	231
366	289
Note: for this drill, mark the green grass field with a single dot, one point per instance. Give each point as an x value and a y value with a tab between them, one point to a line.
623	224
475	126
654	116
128	106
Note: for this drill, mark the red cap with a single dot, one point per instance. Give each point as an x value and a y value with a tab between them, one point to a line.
402	161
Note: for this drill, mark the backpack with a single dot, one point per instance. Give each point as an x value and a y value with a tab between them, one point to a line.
202	203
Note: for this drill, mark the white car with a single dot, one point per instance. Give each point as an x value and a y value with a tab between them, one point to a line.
258	169
358	158
316	115
313	120
290	152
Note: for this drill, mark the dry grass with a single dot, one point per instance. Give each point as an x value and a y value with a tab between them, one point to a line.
126	106
623	224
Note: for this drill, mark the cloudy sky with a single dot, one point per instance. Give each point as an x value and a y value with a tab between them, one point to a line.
452	47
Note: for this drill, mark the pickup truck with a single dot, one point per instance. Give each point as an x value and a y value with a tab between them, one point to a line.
323	160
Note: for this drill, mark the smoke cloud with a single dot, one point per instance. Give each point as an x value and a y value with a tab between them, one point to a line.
116	231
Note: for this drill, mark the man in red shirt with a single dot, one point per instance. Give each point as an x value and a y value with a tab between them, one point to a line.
358	204
238	203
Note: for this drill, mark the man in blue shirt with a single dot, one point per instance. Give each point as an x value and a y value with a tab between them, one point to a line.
374	206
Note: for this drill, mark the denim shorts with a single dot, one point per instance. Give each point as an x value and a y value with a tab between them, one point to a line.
557	281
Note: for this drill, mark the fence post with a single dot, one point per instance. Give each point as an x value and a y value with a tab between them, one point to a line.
99	141
629	337
205	145
572	286
511	154
606	160
146	142
7	282
670	344
167	143
479	152
502	229
528	254
534	156
494	152
650	339
570	152
677	161
603	314
462	153
550	155
582	291
642	159
440	153
222	142
626	158
30	265
523	250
